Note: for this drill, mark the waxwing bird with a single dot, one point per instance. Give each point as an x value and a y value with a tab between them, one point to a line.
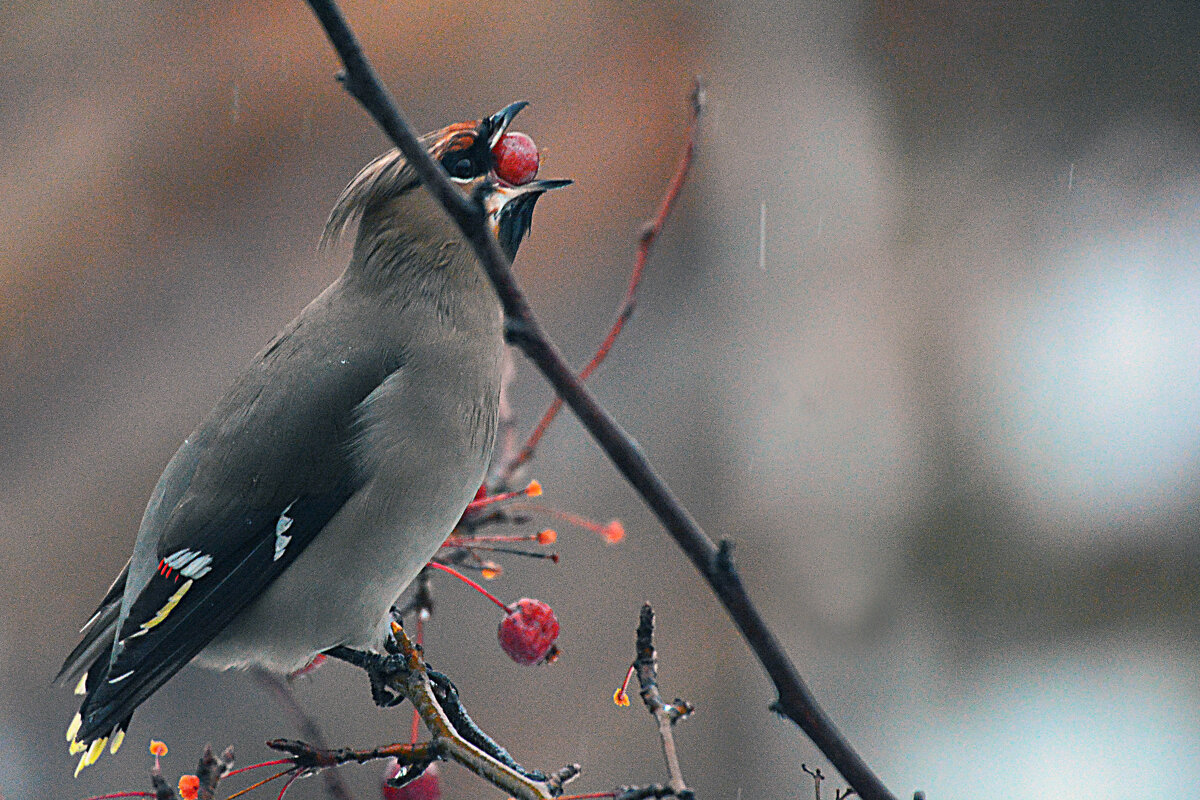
293	517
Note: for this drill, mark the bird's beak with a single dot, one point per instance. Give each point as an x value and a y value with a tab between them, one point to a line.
502	194
495	125
510	210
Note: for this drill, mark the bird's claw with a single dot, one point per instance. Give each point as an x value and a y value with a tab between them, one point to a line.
382	670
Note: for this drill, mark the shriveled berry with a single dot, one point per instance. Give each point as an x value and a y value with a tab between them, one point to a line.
528	631
516	158
424	787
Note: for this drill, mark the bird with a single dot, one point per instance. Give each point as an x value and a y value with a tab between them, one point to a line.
292	518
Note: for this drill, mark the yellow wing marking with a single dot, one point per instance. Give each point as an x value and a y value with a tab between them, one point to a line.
168	607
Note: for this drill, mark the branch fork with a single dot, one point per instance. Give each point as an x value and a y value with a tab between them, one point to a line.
453	735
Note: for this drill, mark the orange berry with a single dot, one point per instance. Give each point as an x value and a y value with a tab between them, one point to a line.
189	787
158	748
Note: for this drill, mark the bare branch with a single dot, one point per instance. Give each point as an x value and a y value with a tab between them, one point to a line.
795	701
453	735
646	666
211	770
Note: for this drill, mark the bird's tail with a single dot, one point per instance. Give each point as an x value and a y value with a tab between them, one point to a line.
85	667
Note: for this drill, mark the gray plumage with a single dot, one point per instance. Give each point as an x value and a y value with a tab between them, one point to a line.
293	517
430	343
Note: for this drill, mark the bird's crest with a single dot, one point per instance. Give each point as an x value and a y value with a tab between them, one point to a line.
390	176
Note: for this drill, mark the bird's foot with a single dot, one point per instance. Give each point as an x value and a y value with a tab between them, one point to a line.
382	670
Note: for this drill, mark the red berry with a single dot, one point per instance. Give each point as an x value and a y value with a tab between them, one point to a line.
424	787
528	631
516	158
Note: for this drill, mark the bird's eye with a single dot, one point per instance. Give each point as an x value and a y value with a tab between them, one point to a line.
461	167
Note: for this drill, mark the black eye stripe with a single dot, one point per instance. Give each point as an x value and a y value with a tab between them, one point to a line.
468	162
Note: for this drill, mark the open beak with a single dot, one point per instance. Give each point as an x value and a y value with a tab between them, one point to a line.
495	125
510	209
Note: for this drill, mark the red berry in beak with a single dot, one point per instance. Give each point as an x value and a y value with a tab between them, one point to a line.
528	631
516	158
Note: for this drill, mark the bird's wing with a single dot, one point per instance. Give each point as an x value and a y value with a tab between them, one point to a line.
247	493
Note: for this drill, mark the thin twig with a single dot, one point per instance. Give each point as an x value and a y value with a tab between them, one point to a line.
795	700
649	236
310	757
263	782
335	787
646	666
655	790
211	770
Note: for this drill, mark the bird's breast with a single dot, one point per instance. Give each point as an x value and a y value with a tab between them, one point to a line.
422	443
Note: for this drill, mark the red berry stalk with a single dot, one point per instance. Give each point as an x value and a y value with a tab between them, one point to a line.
529	628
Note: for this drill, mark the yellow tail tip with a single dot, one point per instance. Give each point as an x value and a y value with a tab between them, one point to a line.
81	687
73	728
94	751
117	740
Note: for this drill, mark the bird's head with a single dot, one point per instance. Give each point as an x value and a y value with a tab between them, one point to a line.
466	152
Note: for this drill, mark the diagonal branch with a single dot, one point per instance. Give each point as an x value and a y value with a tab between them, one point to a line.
646	242
795	700
454	736
335	787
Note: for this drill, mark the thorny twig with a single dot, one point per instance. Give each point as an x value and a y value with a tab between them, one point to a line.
818	778
649	236
209	772
795	700
666	715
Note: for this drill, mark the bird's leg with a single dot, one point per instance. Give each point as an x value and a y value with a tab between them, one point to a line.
382	670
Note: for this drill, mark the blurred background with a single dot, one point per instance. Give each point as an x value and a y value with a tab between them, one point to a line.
921	337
